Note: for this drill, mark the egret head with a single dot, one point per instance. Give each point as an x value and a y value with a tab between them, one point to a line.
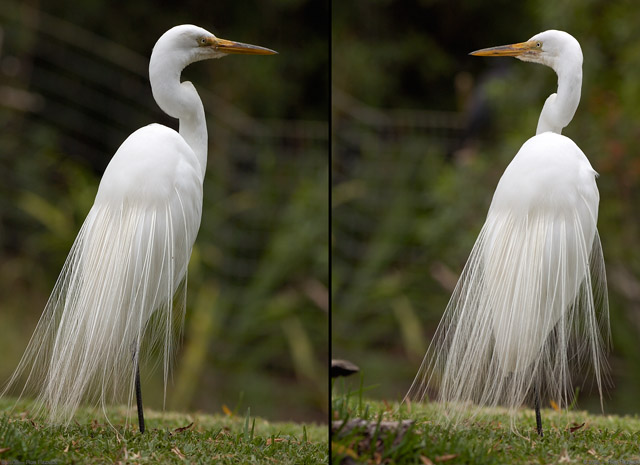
174	51
188	43
550	48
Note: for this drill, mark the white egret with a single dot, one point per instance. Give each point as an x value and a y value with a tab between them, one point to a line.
131	254
531	302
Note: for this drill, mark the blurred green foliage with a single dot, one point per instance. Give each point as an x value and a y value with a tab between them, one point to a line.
421	135
74	85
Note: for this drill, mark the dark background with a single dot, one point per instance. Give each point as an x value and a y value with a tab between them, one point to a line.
74	85
422	133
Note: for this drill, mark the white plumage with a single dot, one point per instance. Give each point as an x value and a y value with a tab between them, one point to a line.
118	285
531	303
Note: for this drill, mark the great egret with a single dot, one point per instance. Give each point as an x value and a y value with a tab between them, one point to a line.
131	254
524	309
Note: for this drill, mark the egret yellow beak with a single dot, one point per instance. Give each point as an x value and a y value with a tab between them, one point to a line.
229	46
512	50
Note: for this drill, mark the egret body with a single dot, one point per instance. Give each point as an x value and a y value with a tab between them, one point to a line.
531	301
131	254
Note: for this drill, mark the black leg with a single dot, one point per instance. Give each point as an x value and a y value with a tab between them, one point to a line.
139	399
536	403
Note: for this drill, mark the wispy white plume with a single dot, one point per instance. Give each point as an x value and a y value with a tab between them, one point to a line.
126	262
529	309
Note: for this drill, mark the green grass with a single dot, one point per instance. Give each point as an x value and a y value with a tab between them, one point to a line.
486	439
224	439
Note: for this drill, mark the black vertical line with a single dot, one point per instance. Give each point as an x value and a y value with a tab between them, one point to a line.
536	402
139	399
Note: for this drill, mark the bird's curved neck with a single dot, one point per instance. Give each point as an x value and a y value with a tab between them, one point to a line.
181	100
560	107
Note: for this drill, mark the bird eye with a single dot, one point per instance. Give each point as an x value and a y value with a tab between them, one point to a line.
203	41
538	44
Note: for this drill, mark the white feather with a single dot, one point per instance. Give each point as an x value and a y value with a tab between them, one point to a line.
126	263
117	287
531	303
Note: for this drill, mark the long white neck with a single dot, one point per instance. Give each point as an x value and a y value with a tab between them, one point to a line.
560	107
180	100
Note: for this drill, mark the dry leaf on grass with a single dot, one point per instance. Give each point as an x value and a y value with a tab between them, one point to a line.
564	458
340	449
182	428
274	440
575	427
176	451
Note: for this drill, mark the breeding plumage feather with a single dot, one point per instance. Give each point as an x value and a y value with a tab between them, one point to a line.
127	261
526	303
530	307
118	285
